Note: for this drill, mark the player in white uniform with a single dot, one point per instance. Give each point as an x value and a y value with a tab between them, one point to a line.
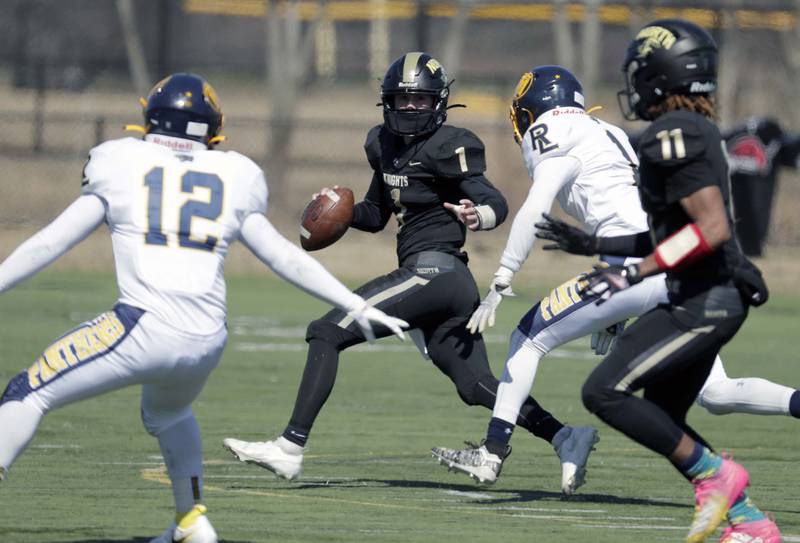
589	167
173	206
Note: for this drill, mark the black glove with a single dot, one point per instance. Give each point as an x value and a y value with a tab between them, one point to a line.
566	237
750	283
605	281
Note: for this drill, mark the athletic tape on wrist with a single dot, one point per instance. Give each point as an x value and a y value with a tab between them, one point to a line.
486	217
682	248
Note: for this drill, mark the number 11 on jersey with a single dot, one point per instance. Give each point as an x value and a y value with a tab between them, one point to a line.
209	210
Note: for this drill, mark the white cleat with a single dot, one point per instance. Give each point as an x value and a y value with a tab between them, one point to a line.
573	452
193	527
476	461
281	457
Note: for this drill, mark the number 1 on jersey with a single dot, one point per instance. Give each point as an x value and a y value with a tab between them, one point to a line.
210	210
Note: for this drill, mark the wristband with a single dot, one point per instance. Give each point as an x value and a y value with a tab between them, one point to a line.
682	248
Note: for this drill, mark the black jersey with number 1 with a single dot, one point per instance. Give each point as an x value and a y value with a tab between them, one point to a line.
680	153
412	179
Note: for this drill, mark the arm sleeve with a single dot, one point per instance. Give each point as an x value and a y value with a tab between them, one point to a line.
79	220
292	264
549	177
372	214
490	202
640	244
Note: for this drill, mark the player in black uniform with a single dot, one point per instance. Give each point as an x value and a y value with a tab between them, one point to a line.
670	71
431	177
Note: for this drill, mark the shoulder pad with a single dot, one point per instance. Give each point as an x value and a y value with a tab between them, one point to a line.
547	139
103	158
455	152
678	137
372	146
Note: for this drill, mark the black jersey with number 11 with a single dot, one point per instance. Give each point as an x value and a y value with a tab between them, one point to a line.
680	153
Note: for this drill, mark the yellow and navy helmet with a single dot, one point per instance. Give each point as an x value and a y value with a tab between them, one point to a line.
668	56
184	105
415	73
542	89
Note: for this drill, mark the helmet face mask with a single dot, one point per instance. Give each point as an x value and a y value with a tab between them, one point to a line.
667	57
540	90
184	105
414	74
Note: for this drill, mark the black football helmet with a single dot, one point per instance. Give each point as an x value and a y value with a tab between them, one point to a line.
415	73
542	89
668	56
186	106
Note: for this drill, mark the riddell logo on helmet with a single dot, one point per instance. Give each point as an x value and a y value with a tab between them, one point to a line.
408	84
697	86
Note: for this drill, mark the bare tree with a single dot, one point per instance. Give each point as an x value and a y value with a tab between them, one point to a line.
454	41
289	58
590	56
133	45
563	34
730	60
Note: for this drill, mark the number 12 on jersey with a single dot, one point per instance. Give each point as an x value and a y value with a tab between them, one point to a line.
209	210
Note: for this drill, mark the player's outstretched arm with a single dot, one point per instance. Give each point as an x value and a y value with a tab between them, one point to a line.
303	271
550	176
73	225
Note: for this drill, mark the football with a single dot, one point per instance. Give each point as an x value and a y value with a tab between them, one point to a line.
326	218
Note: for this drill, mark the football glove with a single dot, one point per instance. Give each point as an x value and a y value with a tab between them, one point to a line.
566	237
365	316
605	338
483	317
605	281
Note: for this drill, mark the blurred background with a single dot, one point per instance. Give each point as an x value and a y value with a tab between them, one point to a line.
299	80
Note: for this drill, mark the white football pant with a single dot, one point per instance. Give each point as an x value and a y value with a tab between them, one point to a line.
563	316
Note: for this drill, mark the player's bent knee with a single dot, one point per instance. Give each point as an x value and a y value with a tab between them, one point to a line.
17	389
597	396
713	399
329	332
478	392
156	423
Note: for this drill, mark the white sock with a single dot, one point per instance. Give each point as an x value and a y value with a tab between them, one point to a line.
518	376
18	423
182	449
747	395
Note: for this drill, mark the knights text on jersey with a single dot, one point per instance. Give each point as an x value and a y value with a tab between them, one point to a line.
172	216
413	180
682	152
603	197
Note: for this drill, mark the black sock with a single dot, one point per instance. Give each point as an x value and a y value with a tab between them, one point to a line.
537	421
316	385
794	404
498	435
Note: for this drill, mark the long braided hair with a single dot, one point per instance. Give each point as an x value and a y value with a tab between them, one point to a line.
704	105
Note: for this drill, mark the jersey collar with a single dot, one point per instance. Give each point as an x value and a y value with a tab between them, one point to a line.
175	144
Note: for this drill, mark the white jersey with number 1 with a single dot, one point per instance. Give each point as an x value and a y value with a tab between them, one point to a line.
603	196
173	213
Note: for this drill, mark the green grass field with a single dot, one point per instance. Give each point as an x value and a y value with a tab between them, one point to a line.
92	474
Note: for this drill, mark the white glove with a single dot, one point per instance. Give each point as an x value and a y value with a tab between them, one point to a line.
365	315
483	317
605	338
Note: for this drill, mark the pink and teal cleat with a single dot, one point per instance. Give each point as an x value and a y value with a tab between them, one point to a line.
714	495
758	531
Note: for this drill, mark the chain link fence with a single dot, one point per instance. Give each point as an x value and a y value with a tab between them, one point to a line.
71	73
